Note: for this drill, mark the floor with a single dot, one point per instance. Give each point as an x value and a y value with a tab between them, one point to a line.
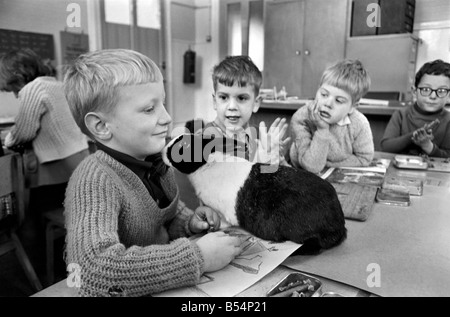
13	281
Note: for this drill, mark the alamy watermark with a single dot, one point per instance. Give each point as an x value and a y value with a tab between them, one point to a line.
374	277
374	18
267	149
74	277
73	19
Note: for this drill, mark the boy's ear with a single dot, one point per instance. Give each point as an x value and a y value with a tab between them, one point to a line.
257	103
96	124
214	101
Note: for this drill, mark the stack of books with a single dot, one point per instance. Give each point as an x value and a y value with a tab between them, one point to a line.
357	187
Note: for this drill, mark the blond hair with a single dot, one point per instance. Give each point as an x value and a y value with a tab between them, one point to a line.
350	76
91	82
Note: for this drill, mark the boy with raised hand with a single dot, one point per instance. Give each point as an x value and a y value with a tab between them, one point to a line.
237	81
424	127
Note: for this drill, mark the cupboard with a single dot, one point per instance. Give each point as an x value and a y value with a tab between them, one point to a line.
389	59
302	38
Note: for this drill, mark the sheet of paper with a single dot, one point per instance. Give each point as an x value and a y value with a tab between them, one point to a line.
259	257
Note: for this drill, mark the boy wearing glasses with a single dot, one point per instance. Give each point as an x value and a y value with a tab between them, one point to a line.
409	131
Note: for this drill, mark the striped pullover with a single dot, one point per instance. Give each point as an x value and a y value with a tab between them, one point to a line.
122	241
44	118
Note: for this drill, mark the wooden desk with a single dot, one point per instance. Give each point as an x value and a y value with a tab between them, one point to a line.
259	289
411	245
408	246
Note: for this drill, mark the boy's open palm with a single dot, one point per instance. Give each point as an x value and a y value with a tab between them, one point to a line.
218	250
271	144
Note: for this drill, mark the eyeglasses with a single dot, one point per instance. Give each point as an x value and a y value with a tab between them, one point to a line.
440	92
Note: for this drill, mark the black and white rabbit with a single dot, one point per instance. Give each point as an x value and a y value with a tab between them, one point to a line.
276	204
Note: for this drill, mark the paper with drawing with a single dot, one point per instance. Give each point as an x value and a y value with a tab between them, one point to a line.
259	257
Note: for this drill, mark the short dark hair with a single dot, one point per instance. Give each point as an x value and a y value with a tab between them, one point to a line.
237	69
19	67
436	67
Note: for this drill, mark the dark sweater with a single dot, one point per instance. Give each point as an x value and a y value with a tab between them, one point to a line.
398	133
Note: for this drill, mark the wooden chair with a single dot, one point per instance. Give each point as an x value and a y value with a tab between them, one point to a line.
12	191
54	229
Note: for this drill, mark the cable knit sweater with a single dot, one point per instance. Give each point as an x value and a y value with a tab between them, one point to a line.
44	118
398	133
123	242
342	145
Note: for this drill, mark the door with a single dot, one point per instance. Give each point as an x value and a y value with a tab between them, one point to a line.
302	38
241	29
324	40
283	29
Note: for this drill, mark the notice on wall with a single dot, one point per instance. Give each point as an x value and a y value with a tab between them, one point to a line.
72	46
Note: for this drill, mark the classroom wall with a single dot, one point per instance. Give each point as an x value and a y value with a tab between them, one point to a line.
191	27
39	16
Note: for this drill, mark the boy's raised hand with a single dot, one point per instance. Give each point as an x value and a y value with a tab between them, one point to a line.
271	143
204	218
424	138
218	250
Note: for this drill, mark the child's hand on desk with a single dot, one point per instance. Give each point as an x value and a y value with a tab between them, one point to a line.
218	250
204	218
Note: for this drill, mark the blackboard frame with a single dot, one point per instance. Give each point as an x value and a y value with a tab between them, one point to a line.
41	44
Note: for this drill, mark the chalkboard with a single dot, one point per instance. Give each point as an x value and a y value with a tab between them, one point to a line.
42	44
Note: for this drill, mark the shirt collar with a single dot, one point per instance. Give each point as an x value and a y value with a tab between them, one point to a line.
344	121
152	163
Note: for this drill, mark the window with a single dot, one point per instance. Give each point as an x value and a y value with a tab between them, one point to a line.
244	29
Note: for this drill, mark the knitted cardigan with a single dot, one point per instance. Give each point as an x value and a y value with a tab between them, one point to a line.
120	238
44	118
341	145
398	133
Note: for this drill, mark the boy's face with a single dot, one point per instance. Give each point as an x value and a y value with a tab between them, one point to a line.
235	105
140	122
433	102
334	103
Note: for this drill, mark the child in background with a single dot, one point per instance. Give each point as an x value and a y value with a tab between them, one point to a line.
126	228
54	145
330	131
408	131
237	81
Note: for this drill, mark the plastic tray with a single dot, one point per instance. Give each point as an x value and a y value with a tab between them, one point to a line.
410	162
287	286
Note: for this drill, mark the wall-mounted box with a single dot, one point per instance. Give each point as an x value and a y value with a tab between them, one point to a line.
389	59
360	15
395	16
